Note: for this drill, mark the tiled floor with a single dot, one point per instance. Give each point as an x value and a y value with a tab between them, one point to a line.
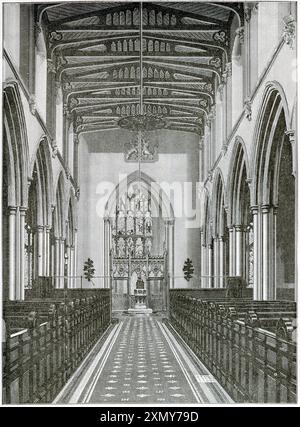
141	362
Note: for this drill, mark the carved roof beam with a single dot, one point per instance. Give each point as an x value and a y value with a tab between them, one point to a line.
99	55
182	106
81	109
180	90
183	14
102	67
180	28
100	14
85	91
178	64
111	101
58	42
220	43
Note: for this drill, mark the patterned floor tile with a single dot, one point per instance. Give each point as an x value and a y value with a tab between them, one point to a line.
142	368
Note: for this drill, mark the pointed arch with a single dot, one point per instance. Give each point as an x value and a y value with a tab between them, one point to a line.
158	194
273	198
269	138
206	224
15	152
41	170
60	207
237	184
14	193
219	202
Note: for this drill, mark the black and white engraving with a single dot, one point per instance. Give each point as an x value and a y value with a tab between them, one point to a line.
149	203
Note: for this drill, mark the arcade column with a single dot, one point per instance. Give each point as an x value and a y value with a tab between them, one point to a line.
12	258
106	253
21	287
232	253
210	265
169	235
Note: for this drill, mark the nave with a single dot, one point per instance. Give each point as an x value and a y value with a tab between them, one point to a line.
149	164
142	361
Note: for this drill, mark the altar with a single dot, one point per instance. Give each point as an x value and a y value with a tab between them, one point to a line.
140	298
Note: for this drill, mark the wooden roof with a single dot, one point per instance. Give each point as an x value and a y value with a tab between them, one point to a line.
95	48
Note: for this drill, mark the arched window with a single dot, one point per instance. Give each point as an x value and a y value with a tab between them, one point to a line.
132	225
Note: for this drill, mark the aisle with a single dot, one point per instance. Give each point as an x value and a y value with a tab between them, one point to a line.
141	362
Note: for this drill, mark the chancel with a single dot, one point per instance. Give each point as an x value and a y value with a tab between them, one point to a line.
149	203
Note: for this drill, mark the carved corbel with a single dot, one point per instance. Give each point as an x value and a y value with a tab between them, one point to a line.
68	173
32	105
221	89
291	135
241	34
66	112
54	148
211	115
248	108
247	12
77	193
51	66
289	30
201	143
249	182
249	9
224	148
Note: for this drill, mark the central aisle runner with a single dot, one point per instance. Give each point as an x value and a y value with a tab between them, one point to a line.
143	363
142	368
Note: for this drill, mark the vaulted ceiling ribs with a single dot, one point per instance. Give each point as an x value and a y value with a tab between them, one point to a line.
95	49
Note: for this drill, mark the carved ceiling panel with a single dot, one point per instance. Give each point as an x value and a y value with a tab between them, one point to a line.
94	51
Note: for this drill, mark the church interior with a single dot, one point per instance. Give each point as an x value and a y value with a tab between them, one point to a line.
149	203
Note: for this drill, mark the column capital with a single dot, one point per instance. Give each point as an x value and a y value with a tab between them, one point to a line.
291	135
12	210
254	209
23	210
169	221
266	208
240	228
